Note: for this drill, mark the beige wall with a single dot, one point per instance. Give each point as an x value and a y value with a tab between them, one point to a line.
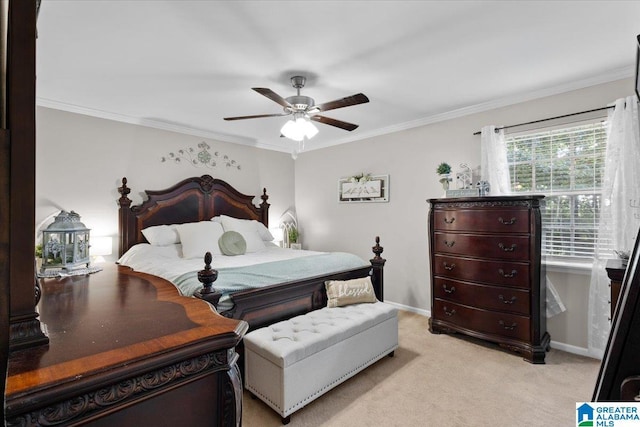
80	161
410	158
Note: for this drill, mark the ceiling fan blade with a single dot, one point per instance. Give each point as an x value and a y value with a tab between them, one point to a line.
258	116
333	122
356	99
272	96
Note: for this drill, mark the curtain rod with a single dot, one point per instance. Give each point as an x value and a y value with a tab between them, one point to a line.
550	118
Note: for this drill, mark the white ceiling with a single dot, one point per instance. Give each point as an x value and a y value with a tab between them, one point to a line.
184	65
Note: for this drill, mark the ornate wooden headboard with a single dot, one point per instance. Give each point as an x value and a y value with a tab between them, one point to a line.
190	200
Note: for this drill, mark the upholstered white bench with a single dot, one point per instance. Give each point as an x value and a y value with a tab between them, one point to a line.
291	363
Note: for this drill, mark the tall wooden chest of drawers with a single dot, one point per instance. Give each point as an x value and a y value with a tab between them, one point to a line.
487	280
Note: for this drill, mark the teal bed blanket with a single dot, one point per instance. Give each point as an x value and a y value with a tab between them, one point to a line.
233	279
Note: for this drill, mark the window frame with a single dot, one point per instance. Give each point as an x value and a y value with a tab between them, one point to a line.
576	260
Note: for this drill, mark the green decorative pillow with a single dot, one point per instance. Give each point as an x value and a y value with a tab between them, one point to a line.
345	292
232	243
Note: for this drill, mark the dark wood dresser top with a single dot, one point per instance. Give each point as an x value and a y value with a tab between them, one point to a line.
108	323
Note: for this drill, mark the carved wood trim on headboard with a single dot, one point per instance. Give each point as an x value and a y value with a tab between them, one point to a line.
190	200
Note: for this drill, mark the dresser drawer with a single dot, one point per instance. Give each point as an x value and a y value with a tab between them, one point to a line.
494	246
512	300
515	274
478	220
488	322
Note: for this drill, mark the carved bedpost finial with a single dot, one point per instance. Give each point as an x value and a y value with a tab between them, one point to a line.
124	191
377	249
264	198
378	270
264	207
207	276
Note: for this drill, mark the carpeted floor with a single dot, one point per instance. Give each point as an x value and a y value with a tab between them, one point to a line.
441	380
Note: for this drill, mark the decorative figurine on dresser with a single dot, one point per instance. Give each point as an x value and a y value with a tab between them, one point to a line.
487	279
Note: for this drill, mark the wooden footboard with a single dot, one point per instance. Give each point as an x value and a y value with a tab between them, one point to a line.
270	304
279	302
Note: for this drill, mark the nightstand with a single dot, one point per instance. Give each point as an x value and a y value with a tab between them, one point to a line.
615	270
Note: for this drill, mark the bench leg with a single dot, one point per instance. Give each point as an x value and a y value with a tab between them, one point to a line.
286	420
393	353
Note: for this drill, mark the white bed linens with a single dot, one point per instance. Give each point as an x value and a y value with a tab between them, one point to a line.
249	271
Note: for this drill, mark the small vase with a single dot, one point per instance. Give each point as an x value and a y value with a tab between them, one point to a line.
445	179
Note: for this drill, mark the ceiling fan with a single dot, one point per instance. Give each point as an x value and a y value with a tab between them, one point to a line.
304	106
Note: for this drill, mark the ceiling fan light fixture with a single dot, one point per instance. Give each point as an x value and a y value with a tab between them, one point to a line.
299	129
309	129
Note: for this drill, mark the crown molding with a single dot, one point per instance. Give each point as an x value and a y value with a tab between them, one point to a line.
611	76
156	124
618	74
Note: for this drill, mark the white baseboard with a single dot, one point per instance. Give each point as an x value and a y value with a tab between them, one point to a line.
580	351
420	311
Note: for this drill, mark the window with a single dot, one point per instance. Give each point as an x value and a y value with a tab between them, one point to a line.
567	166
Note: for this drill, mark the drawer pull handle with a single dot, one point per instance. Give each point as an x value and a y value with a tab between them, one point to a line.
507	327
507	301
449	313
507	248
510	222
507	275
448	267
449	221
449	290
449	243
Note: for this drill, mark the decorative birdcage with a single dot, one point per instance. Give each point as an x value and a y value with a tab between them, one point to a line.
65	243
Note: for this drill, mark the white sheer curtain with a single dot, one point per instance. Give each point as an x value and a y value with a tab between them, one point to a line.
620	212
493	166
495	169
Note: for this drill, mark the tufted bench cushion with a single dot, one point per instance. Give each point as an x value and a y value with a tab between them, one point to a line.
290	363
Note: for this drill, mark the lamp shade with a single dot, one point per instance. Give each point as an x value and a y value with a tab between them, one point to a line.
101	246
299	129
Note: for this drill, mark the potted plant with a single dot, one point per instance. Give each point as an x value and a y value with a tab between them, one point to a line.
293	235
444	171
293	238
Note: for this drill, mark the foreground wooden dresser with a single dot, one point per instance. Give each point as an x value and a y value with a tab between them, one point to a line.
486	278
126	350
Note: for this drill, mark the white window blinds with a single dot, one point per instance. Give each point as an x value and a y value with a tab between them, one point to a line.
567	166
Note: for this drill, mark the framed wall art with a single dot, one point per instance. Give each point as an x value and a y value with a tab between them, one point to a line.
363	188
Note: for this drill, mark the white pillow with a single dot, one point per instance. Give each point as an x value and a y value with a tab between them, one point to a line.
200	237
161	235
262	230
139	255
247	228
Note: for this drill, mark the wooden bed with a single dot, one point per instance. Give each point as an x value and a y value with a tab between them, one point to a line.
200	199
